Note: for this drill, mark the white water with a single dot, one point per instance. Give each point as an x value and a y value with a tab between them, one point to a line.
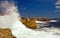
19	30
10	14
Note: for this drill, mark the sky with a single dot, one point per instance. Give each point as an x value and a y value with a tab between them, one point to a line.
38	8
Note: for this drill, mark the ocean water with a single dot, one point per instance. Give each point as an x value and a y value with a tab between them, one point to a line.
21	31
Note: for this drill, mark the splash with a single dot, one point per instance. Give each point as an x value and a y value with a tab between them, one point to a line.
8	7
9	12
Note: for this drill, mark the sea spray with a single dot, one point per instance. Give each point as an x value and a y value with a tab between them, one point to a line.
9	13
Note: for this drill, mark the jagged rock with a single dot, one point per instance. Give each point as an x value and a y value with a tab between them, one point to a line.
6	33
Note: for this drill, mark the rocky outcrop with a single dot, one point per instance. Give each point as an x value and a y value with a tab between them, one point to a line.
29	23
6	33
